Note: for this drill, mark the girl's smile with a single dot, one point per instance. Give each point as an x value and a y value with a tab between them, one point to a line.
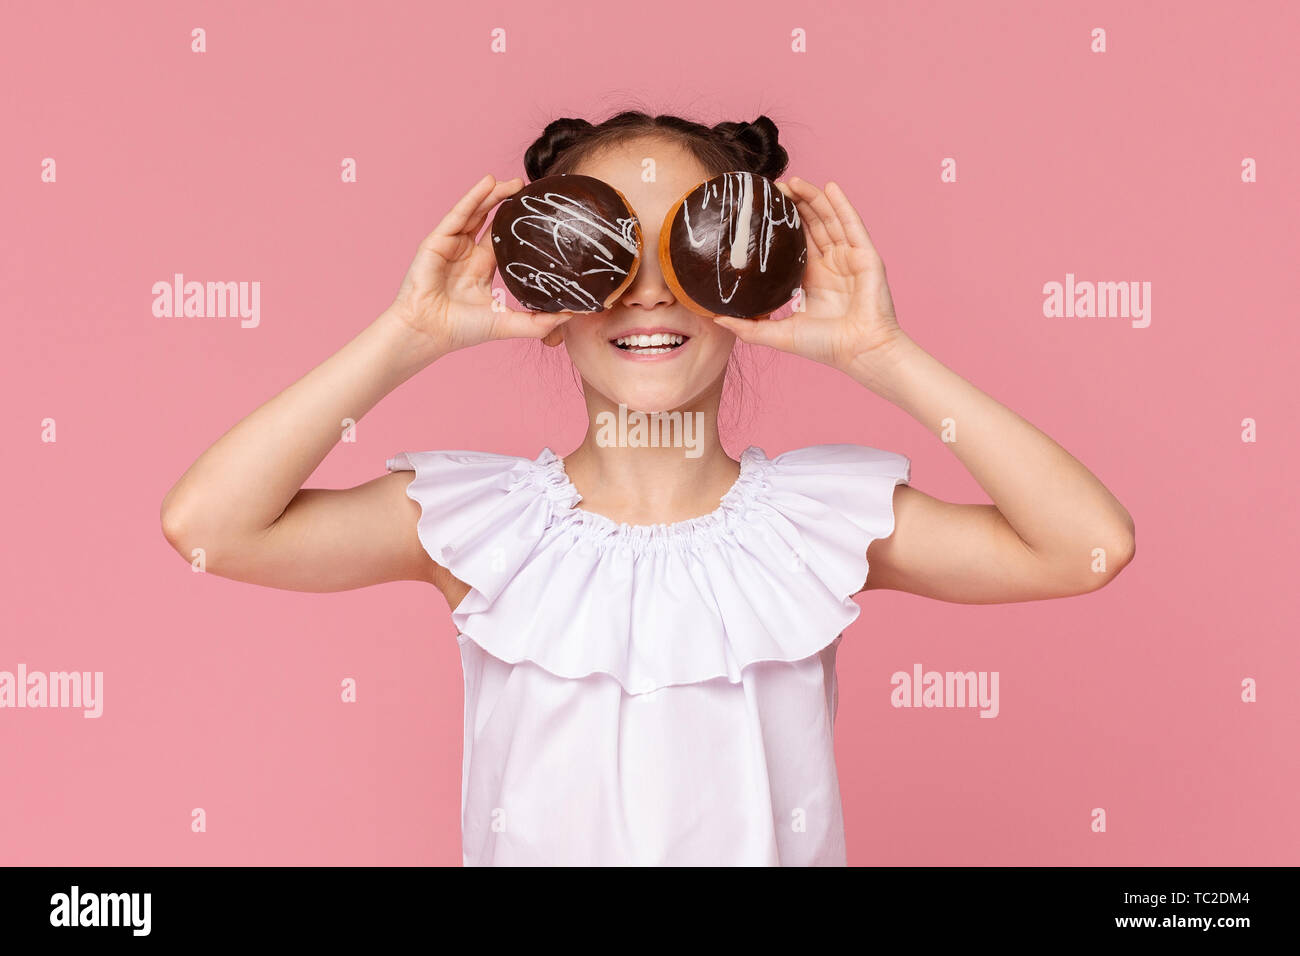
657	344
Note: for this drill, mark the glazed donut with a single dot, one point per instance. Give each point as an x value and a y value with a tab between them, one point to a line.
733	245
566	243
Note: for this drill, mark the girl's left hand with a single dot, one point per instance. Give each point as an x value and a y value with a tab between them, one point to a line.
848	313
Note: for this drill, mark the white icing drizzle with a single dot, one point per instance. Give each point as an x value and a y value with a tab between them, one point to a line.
740	233
735	218
554	221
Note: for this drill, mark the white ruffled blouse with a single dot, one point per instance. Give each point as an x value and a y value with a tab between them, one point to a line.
653	694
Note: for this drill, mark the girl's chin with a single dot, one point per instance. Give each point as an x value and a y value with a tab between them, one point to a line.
642	396
649	389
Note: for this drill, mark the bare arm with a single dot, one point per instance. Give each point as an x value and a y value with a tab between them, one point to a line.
242	500
1053	528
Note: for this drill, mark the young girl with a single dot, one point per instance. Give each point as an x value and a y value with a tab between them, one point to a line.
648	637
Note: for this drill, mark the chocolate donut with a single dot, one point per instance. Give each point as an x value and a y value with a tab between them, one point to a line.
733	245
566	243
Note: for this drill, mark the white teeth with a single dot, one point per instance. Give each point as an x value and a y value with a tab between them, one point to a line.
651	342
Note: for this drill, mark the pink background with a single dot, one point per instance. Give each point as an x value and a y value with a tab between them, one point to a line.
225	166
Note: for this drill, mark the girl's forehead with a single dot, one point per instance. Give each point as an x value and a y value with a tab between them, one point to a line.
652	173
644	159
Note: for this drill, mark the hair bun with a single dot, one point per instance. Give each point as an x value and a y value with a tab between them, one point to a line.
558	136
758	140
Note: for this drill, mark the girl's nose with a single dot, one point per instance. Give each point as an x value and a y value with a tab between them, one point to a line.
648	289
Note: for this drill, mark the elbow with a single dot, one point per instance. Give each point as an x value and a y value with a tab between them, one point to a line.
181	529
1111	556
1123	545
175	525
198	532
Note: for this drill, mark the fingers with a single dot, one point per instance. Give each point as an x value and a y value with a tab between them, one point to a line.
485	243
527	325
830	216
819	235
854	228
454	222
820	206
502	191
472	207
777	334
814	252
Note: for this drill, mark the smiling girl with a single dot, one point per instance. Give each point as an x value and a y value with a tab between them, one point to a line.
648	637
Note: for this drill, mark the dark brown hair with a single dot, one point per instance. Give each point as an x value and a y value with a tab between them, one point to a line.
724	148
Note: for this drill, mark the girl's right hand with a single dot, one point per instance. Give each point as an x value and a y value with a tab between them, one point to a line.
447	292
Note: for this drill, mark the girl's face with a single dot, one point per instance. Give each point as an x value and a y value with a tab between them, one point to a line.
657	381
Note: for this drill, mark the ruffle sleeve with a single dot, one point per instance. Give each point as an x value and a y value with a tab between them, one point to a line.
768	576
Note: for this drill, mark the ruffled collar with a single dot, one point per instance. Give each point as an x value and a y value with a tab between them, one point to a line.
769	575
547	473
